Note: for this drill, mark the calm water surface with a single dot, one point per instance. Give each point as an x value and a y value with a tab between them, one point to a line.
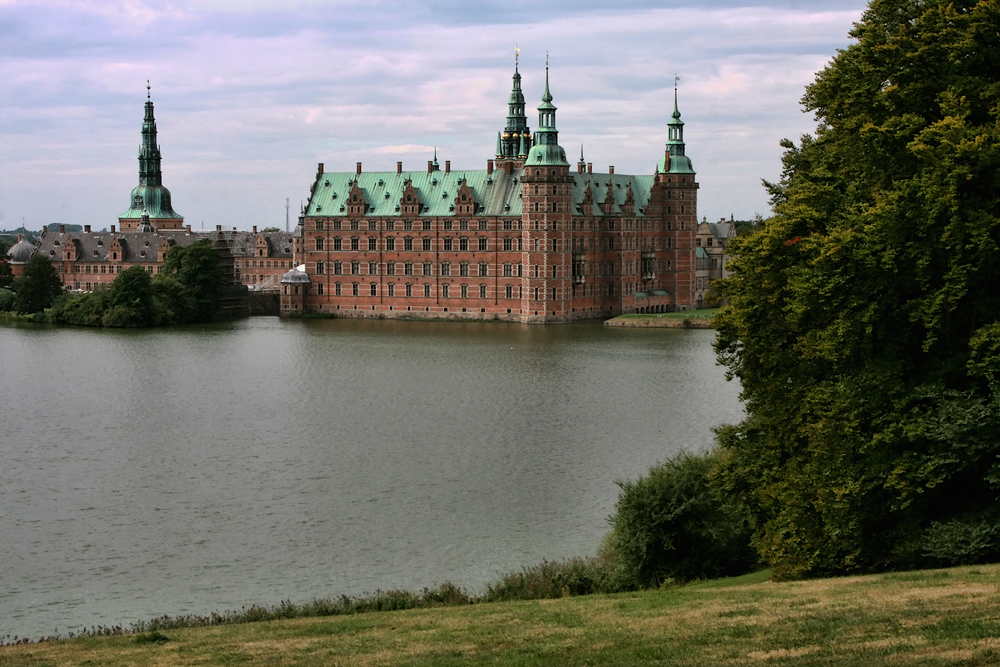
199	469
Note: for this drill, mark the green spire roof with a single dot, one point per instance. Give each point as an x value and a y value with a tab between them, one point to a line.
679	162
546	150
150	196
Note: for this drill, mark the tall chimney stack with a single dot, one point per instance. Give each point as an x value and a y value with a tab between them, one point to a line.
358	170
611	169
447	166
399	167
489	167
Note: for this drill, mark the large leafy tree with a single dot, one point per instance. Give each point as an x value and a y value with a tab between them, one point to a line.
865	317
38	287
197	269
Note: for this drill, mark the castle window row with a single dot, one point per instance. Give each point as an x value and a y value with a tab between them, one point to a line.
466	291
482	244
578	224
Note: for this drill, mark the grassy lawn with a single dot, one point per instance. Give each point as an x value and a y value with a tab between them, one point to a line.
937	617
704	314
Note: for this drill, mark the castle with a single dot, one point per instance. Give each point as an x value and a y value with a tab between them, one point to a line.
527	239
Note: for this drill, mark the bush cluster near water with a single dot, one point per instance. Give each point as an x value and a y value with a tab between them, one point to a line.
188	288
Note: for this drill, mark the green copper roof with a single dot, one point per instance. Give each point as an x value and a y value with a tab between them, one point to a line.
546	154
150	195
679	164
498	195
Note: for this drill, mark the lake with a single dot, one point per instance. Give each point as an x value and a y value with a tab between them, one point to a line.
204	468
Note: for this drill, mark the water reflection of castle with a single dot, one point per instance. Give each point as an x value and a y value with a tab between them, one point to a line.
528	238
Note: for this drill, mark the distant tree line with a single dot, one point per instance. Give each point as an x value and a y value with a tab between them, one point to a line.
188	288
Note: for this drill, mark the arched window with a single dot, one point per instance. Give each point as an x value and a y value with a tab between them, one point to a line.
408	243
337	244
372	243
319	243
320	268
463	244
355	243
390	243
483	243
425	243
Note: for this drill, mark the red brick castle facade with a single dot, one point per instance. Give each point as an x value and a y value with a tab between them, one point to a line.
528	239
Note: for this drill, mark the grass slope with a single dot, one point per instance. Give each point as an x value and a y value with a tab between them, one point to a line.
938	617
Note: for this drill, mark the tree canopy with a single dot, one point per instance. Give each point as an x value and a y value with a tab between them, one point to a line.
865	317
197	269
38	287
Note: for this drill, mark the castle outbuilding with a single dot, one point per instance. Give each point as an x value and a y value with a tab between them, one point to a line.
529	238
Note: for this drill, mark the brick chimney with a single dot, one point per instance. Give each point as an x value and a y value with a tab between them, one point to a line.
112	229
447	166
255	229
358	170
489	167
430	166
86	228
319	170
62	229
399	167
611	169
590	167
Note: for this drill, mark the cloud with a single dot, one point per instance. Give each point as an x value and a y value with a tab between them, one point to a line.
250	95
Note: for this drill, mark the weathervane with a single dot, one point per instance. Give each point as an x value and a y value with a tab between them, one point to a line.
147	89
517	52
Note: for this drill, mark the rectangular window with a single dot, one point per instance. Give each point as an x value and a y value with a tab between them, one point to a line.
354	289
508	243
408	269
508	270
409	289
482	291
447	224
338	268
392	289
463	269
372	243
483	241
427	225
508	225
445	269
483	268
319	225
483	226
447	243
444	291
427	268
355	268
427	290
354	243
463	244
426	243
390	268
320	268
408	243
336	224
373	268
509	291
465	291
354	225
336	289
373	289
319	288
390	225
463	225
372	225
407	225
390	243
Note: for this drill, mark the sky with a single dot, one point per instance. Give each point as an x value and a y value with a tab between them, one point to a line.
251	94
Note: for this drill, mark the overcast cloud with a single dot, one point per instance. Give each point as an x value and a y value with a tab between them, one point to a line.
251	95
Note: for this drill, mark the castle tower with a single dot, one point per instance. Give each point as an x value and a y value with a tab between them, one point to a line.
675	196
150	195
514	142
547	200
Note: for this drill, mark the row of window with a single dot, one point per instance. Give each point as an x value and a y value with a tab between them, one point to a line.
464	291
408	225
425	244
578	224
261	264
409	268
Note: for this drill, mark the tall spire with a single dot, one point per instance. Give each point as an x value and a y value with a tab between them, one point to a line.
149	152
675	127
547	150
517	122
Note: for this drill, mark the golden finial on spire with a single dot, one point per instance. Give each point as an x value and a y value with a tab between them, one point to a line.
517	52
147	89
